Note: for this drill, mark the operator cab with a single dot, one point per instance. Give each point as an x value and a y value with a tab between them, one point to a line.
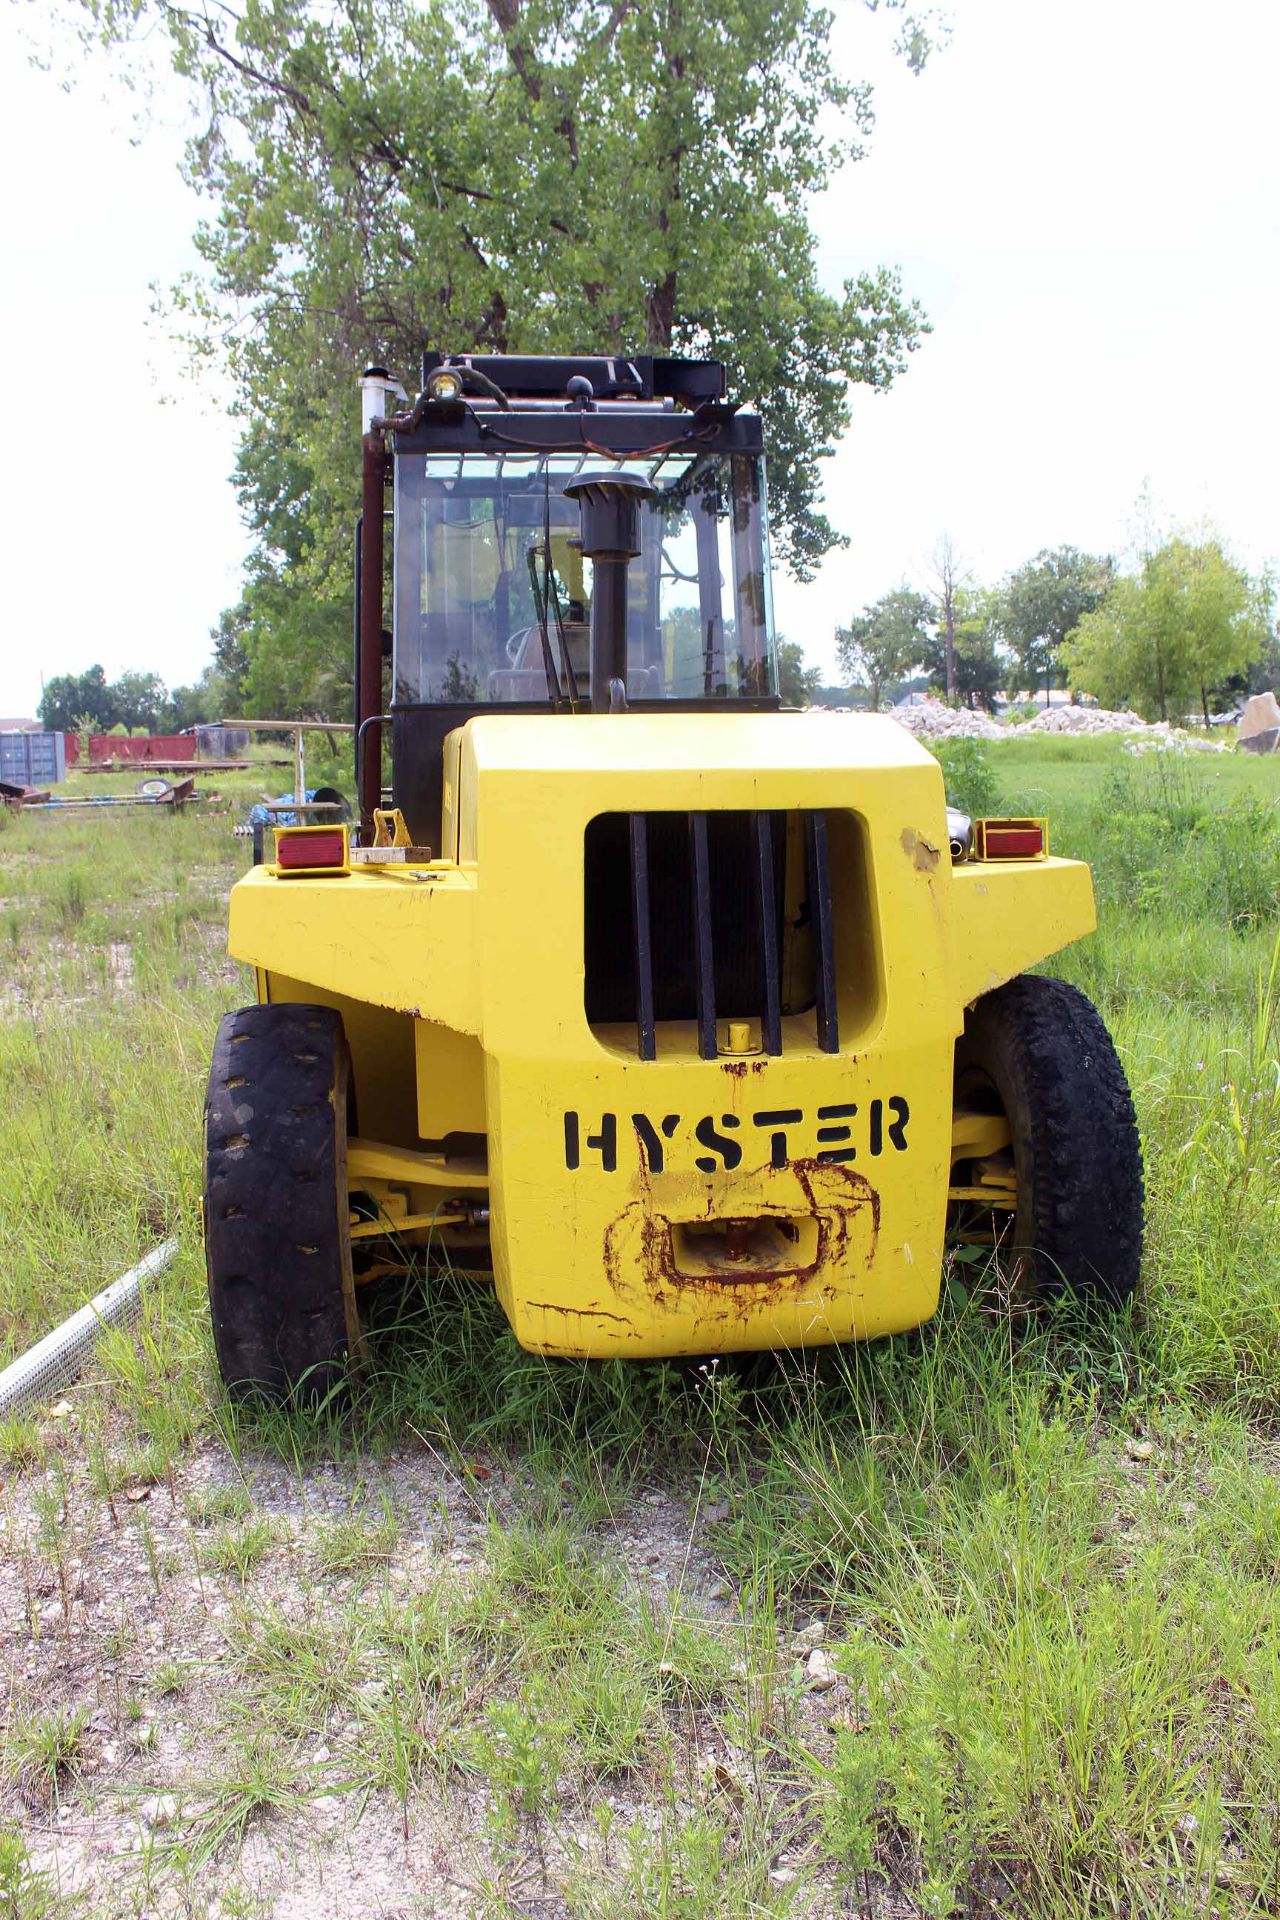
489	547
505	602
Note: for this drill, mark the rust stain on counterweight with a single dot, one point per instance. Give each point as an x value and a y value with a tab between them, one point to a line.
640	1254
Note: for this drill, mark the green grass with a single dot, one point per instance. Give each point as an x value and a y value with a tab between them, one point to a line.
360	1542
42	1752
1044	1555
25	1894
111	984
239	1549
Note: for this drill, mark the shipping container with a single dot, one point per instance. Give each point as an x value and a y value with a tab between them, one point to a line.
123	747
33	759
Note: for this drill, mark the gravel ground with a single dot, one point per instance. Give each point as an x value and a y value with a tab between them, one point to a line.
111	1610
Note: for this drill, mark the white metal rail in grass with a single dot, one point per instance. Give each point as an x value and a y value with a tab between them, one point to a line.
56	1360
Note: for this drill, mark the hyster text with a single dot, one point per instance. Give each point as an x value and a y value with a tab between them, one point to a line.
835	1135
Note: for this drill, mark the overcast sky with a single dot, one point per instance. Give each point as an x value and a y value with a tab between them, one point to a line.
1084	195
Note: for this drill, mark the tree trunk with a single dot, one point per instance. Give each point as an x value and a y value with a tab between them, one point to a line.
660	309
660	300
949	627
1204	705
950	576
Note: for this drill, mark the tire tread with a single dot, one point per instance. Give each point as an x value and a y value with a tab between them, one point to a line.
1077	1121
274	1200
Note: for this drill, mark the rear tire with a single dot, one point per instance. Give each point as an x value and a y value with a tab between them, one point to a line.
276	1209
1037	1050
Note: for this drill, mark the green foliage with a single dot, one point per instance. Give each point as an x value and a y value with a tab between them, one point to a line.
1187	621
797	683
215	695
521	175
687	1866
885	642
1262	674
969	775
87	703
1158	836
70	699
518	1750
980	666
1045	600
140	701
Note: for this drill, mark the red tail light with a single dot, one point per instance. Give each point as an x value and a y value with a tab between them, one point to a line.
311	850
1010	839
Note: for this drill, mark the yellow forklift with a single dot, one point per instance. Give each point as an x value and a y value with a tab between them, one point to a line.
697	1024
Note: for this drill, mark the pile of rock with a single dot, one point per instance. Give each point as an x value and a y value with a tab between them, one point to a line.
1142	736
936	721
931	719
1084	720
1162	738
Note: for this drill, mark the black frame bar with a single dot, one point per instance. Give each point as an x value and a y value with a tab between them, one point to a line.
646	1033
629	431
771	999
822	930
704	964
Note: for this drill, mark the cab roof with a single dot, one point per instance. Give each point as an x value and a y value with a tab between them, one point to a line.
640	376
638	405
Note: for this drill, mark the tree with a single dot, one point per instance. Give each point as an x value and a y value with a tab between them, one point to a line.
1261	675
70	698
951	575
136	700
974	661
885	641
520	175
139	700
213	697
1043	602
796	683
1187	621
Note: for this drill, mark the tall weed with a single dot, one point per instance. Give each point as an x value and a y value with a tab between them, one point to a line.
1159	846
969	775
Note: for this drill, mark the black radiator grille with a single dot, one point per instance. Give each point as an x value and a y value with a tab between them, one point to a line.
687	920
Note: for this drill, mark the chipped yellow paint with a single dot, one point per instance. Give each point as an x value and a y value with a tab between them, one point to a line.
920	851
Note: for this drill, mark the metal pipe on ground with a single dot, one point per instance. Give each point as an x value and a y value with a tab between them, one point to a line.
58	1359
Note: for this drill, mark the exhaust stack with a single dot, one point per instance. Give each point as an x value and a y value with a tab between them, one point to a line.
610	507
